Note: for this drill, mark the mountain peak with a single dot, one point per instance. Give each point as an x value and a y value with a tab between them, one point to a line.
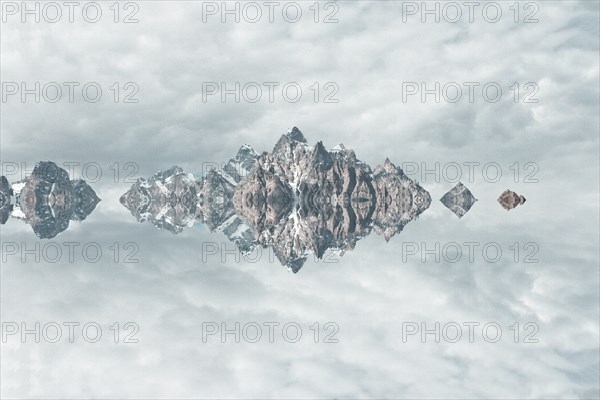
296	135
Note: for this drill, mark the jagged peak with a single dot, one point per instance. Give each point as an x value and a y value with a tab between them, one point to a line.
320	149
321	155
294	265
288	141
246	149
387	167
296	135
171	171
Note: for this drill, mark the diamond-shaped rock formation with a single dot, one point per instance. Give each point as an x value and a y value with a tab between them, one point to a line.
459	200
168	199
399	199
47	200
86	200
509	200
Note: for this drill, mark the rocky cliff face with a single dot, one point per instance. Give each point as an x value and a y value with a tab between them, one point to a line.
296	200
6	193
86	200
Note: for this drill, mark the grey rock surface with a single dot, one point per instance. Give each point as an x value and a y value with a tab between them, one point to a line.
6	193
459	200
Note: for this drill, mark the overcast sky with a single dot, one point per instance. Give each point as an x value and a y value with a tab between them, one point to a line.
367	61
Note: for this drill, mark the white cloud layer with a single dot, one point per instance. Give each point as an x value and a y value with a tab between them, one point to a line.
370	292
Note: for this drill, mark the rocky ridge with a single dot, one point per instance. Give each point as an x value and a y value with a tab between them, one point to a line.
296	199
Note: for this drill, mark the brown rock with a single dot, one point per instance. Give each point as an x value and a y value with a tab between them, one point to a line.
509	199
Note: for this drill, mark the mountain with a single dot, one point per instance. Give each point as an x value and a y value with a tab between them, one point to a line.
168	200
297	199
174	199
47	200
300	200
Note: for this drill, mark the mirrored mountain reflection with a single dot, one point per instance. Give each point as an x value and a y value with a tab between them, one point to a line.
47	200
459	200
296	200
509	200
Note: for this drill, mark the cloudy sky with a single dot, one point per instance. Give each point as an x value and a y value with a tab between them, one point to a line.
541	131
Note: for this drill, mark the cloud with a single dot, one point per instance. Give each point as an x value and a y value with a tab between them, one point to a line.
370	292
